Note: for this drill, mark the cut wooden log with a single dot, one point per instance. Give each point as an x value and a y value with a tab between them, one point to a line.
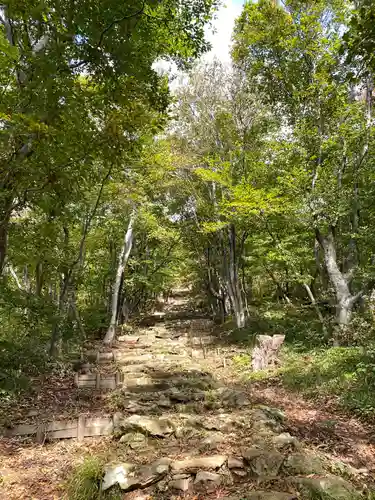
265	352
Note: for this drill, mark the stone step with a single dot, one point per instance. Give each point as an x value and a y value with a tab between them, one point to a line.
125	358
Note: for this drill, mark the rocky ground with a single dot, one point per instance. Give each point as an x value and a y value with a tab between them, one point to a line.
186	427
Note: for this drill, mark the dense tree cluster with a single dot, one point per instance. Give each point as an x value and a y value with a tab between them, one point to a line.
282	153
254	181
81	107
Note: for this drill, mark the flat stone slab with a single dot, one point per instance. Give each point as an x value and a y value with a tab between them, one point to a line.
128	339
204	477
183	484
133	368
158	427
236	463
198	463
121	357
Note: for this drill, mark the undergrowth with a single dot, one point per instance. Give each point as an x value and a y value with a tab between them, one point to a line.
84	483
310	365
345	373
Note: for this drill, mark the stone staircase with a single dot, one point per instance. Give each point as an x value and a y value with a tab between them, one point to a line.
180	429
184	431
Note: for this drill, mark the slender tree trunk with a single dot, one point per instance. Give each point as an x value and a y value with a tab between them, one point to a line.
68	278
122	261
14	275
4	226
316	307
26	279
38	279
233	282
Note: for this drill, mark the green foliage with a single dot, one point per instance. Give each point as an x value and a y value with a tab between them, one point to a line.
23	340
84	483
81	107
343	373
359	40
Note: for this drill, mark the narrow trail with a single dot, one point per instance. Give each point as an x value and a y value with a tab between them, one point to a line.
182	413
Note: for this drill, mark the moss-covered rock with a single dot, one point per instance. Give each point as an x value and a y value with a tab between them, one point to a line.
328	487
270	495
301	463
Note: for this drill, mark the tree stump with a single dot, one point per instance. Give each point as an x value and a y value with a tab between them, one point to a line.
266	351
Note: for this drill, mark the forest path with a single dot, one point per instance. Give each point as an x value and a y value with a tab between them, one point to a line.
185	403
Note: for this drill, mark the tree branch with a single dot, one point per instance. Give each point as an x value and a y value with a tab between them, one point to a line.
118	21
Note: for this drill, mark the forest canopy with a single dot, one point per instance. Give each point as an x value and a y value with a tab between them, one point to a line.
252	182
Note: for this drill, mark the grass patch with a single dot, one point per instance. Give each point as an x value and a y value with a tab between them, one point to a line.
309	364
299	324
344	372
347	373
84	483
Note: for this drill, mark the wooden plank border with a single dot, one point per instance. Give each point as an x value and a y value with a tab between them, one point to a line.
66	429
98	381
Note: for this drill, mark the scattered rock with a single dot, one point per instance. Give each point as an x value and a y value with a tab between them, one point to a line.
235	463
300	463
176	395
143	478
272	413
133	407
162	486
265	423
164	402
181	476
133	439
207	477
263	462
239	472
285	439
33	413
181	484
161	466
194	464
212	426
128	339
158	427
332	487
270	495
181	431
117	474
213	440
232	398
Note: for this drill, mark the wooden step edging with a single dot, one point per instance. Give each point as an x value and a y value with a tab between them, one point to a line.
98	381
66	429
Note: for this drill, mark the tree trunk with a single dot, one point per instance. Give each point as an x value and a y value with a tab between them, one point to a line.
38	279
234	289
4	226
316	307
122	261
14	275
340	282
26	279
